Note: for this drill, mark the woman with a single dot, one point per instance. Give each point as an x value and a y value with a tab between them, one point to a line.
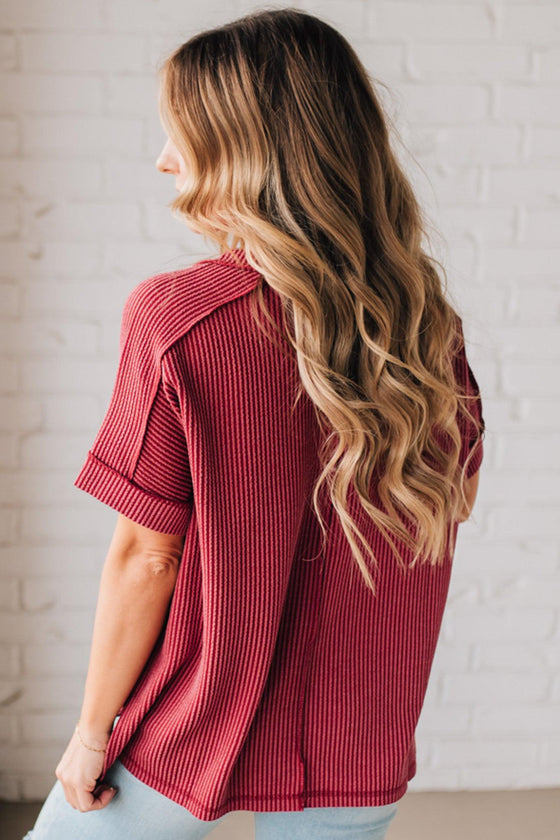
289	487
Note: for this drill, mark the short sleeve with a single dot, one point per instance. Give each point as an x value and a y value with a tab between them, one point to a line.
472	431
138	463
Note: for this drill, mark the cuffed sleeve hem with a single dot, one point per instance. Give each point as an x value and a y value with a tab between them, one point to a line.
475	459
120	493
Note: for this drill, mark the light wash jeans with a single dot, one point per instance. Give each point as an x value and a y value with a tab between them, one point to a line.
143	813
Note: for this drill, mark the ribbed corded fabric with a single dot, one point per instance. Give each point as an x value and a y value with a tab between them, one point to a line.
278	681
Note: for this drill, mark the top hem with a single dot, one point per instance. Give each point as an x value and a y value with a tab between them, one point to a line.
273	802
120	493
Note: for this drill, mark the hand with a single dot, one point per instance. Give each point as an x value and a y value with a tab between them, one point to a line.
78	771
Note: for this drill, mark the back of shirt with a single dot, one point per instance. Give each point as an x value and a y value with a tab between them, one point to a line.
278	682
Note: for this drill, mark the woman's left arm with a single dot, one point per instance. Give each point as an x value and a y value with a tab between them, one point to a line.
137	583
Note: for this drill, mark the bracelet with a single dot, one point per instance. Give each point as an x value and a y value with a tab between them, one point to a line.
95	749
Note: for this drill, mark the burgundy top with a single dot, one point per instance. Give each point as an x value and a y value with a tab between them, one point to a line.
278	681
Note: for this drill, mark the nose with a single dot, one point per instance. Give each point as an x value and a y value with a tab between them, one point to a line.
166	162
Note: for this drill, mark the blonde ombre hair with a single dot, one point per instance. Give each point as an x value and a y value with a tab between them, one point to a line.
287	148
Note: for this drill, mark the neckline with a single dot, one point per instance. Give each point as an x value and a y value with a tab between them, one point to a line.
235	256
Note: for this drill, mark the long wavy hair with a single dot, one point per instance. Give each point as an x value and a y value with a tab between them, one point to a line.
288	150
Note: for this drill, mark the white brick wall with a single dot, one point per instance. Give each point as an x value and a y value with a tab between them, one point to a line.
474	88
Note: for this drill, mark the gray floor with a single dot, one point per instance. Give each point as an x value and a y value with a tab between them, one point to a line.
492	815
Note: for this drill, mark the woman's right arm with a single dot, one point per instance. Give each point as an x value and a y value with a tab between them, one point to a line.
471	489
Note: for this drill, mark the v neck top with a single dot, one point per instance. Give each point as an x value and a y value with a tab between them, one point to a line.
278	681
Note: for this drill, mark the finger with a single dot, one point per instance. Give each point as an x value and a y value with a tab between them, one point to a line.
70	794
101	801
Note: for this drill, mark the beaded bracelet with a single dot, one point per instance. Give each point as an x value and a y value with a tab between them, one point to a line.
95	749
